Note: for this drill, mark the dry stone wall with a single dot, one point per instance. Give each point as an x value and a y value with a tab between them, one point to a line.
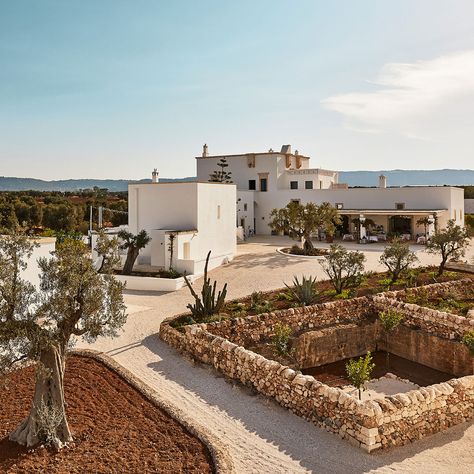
392	421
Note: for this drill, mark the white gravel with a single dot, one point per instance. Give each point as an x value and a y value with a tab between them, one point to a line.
263	437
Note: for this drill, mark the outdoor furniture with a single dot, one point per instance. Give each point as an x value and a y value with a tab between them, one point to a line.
347	237
373	238
382	237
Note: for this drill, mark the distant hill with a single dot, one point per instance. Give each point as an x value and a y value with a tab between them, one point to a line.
353	178
31	184
409	177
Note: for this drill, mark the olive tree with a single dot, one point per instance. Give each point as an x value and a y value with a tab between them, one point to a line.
73	300
108	250
133	244
300	221
450	243
398	258
343	268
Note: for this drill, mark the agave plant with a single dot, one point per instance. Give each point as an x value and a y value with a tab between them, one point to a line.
304	292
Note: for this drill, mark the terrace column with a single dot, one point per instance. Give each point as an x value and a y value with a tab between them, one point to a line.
363	231
431	228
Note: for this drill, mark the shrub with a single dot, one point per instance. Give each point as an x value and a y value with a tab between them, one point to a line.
344	268
258	303
359	371
398	258
281	339
468	340
304	292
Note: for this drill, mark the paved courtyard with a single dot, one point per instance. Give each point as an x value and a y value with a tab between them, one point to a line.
261	436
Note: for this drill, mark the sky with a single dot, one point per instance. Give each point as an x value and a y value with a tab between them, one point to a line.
113	89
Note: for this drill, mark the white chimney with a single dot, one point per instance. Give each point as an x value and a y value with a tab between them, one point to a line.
154	176
205	151
382	181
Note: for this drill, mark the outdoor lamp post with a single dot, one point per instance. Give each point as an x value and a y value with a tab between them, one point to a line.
431	222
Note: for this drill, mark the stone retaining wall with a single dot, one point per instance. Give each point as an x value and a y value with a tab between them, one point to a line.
371	425
254	329
436	322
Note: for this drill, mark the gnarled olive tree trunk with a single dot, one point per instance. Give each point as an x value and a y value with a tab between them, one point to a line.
132	255
46	423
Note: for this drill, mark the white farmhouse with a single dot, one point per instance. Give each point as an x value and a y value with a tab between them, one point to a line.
185	220
272	179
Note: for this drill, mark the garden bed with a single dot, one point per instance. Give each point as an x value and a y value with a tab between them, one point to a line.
115	427
280	299
458	302
298	251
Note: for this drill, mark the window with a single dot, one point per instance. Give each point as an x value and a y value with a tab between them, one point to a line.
339	205
186	251
245	206
293	184
320	184
252	185
308	185
399	206
263	184
455	215
218	212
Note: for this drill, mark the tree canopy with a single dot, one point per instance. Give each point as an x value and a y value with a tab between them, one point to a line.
300	221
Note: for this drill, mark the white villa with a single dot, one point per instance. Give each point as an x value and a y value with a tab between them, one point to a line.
191	217
272	179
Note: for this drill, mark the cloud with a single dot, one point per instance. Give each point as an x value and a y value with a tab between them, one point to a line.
412	98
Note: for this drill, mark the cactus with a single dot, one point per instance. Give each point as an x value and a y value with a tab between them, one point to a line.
207	303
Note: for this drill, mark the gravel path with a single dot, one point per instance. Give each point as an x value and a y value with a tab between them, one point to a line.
262	436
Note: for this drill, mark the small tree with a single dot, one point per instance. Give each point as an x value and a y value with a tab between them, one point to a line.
222	175
133	244
343	268
108	249
359	371
73	300
425	222
398	258
281	339
172	238
208	303
300	221
450	243
389	320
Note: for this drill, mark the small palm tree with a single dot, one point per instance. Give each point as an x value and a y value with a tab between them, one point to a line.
133	244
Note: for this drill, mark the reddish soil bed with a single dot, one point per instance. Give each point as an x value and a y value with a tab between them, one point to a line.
115	428
334	374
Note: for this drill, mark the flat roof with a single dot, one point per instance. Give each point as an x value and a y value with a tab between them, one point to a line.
390	211
252	154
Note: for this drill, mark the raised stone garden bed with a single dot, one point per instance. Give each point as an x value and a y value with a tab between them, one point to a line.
332	331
